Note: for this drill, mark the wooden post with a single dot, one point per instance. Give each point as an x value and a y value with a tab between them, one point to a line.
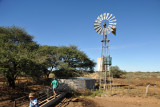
118	89
147	90
154	89
14	105
128	90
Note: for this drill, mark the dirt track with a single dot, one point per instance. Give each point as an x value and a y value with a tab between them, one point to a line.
126	102
116	102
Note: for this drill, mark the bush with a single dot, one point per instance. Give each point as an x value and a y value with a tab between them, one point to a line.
97	93
116	72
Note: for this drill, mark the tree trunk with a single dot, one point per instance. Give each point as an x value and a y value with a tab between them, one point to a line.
49	73
11	82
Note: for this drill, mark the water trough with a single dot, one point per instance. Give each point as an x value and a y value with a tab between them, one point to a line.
76	83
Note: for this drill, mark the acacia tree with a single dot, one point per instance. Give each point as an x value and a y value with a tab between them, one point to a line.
17	54
72	58
49	56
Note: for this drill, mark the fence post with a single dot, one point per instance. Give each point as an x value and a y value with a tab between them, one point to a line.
129	90
154	89
119	90
14	104
47	92
137	91
147	90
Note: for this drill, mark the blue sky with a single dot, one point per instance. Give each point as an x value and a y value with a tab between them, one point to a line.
70	22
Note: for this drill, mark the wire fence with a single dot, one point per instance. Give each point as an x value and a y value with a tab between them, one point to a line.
134	91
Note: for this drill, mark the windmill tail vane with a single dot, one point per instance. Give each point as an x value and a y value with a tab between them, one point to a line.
114	31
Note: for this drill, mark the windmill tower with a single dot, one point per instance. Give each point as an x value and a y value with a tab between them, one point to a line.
104	25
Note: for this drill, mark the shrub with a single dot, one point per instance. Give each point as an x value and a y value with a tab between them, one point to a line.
116	72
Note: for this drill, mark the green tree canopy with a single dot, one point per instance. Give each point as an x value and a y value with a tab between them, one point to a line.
67	60
116	72
49	57
17	53
75	58
71	59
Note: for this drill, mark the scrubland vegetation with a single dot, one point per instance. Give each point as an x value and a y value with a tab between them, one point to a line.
25	66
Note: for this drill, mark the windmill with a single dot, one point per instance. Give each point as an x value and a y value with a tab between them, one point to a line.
104	25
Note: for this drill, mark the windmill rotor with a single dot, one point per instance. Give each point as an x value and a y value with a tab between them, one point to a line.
107	28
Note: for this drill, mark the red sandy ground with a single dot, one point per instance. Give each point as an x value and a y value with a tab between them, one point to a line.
116	102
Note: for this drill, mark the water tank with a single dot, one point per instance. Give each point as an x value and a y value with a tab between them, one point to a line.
76	83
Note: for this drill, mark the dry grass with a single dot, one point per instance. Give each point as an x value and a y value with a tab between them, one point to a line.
24	85
134	84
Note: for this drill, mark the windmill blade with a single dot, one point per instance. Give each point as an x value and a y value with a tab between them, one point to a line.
104	16
112	20
95	27
98	18
102	31
107	16
110	16
99	30
113	23
97	21
114	31
108	32
101	16
110	29
97	24
111	26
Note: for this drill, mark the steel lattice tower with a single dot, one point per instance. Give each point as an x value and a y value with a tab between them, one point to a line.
104	30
